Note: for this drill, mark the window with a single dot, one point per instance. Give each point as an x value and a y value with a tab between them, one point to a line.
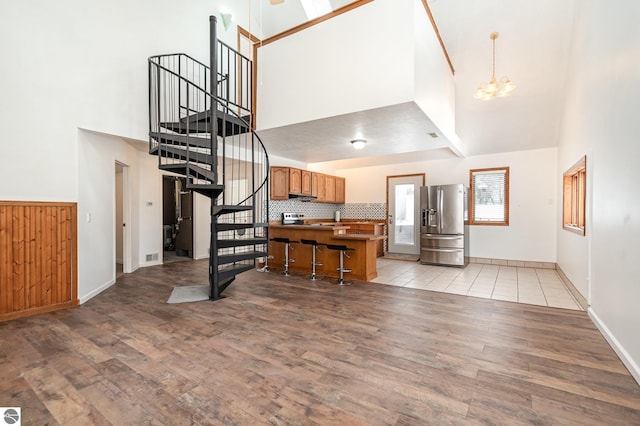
574	196
489	196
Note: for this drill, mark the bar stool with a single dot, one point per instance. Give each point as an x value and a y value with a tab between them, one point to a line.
265	268
287	243
343	252
315	248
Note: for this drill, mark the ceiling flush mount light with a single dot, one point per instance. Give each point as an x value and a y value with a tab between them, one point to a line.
358	143
494	88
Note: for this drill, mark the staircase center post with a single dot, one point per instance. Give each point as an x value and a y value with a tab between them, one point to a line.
214	291
213	70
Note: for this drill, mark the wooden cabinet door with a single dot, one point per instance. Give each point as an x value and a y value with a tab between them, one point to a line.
340	190
379	230
306	183
331	189
279	183
322	188
314	184
366	228
295	181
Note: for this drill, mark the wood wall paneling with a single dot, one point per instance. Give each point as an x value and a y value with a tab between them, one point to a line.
38	257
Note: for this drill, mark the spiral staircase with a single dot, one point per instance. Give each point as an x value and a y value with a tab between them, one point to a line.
200	127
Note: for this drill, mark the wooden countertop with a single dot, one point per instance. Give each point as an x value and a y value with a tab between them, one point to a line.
359	237
347	223
310	227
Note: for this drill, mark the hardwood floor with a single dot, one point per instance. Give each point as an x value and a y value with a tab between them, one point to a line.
284	350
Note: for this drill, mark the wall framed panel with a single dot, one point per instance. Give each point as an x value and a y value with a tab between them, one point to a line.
38	257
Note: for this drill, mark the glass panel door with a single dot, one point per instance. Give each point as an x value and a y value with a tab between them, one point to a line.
404	218
403	210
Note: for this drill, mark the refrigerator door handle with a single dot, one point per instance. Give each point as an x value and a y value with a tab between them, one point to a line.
443	250
423	218
440	237
440	207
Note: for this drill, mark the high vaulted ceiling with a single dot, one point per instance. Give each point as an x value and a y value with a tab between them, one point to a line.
533	50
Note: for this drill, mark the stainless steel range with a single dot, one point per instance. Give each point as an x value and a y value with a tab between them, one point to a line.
293	218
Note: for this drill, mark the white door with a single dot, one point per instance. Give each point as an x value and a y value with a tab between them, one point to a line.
403	193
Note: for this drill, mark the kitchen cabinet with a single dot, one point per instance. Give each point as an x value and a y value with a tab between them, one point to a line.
361	261
331	189
340	190
372	228
289	180
295	181
279	180
319	183
305	182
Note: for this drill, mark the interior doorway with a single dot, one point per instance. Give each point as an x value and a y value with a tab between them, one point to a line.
177	219
403	208
122	240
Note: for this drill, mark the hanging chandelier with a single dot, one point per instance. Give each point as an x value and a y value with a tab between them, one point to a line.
494	88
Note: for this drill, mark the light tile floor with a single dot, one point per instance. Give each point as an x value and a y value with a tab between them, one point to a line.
514	284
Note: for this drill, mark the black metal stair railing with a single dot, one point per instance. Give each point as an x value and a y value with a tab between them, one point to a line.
208	138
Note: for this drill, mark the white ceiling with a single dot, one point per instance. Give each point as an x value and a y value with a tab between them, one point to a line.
533	50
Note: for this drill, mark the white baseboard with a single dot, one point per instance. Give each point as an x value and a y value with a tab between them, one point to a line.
617	347
96	292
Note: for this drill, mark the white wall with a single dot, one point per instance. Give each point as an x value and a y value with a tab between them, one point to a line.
434	86
150	205
531	234
82	64
359	60
201	226
601	120
96	208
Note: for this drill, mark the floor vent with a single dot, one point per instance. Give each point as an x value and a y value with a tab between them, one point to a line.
151	257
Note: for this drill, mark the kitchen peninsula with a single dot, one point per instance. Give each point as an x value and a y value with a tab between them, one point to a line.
361	261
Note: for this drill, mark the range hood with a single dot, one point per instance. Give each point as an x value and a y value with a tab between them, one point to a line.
301	197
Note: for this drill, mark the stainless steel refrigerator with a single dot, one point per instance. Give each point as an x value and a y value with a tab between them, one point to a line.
442	230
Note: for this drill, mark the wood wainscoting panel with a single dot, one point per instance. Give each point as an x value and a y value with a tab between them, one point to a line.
38	257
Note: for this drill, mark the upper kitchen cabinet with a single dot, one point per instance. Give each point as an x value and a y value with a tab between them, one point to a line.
295	181
306	182
340	190
331	189
279	183
289	182
319	187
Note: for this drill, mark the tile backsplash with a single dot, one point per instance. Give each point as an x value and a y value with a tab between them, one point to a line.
326	211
